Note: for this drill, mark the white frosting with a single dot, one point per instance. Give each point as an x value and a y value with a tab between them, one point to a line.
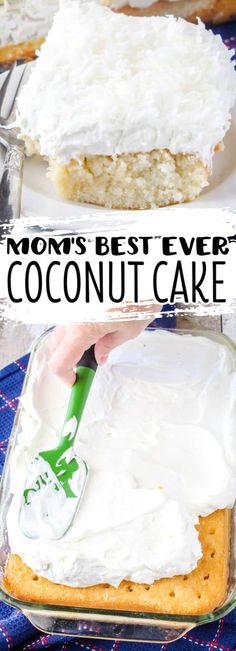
39	510
107	83
21	20
158	434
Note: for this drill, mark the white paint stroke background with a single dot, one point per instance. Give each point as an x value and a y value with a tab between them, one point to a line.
189	223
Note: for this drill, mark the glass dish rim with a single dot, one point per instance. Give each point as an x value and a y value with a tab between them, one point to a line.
110	614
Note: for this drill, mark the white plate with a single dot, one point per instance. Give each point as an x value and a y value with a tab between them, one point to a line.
40	198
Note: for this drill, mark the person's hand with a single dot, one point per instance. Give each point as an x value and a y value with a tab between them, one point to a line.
68	343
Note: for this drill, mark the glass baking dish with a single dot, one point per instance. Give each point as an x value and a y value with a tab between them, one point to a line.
109	624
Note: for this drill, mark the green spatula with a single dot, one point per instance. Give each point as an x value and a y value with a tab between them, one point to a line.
57	477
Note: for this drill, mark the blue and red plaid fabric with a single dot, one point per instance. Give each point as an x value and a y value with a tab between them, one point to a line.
228	34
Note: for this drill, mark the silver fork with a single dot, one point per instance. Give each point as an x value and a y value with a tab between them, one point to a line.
12	176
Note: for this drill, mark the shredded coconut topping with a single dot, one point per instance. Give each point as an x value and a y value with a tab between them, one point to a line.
108	83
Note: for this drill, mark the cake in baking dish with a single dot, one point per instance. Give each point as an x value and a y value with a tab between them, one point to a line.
128	111
157	434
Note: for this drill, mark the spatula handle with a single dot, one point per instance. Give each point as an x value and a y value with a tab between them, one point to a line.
85	372
88	359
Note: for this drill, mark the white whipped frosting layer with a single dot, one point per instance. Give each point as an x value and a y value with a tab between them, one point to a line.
158	434
107	83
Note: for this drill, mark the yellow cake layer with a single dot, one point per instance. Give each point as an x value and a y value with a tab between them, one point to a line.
199	592
25	51
131	181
